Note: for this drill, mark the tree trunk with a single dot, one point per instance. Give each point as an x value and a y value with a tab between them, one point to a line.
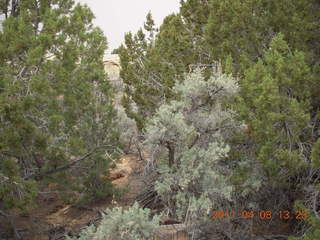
171	154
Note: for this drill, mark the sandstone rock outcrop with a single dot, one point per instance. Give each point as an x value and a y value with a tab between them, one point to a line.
112	68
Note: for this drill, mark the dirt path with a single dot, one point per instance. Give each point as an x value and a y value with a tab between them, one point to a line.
128	170
132	179
53	217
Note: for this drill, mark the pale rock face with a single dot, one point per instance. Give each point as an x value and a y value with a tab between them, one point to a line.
112	68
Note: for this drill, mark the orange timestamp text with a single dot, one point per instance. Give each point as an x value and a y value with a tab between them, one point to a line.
260	214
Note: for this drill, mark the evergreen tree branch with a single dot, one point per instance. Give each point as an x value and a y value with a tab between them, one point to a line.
65	167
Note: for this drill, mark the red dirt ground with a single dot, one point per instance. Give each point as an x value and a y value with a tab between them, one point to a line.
53	215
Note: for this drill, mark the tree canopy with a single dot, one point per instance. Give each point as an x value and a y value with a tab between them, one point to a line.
224	95
56	114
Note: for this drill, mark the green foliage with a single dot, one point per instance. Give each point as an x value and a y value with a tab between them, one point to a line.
273	47
195	13
312	232
56	113
245	28
55	105
276	105
315	154
14	191
133	223
152	63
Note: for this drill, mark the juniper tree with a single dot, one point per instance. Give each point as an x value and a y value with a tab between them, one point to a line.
152	63
132	57
195	15
276	102
56	114
280	89
244	29
186	141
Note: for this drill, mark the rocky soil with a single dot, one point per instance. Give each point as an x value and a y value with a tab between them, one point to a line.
52	218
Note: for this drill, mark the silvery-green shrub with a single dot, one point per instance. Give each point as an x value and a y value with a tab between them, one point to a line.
118	223
193	129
